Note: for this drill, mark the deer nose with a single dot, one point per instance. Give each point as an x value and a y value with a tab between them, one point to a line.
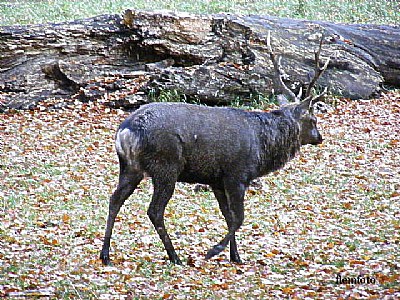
316	140
319	140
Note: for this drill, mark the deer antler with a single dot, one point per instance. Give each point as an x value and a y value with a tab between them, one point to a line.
318	70
278	79
278	72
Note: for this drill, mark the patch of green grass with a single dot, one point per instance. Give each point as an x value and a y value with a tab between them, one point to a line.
357	11
255	101
277	269
337	263
12	201
308	255
169	96
352	245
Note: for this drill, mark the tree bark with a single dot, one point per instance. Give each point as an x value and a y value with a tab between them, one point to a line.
214	58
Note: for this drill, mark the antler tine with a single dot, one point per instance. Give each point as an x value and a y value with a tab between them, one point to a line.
300	94
278	72
315	98
318	70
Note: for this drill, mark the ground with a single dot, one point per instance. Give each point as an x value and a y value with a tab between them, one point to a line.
331	216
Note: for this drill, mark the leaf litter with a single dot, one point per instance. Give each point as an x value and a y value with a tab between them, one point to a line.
331	213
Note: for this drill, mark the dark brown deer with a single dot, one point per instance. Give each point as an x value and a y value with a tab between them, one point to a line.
225	148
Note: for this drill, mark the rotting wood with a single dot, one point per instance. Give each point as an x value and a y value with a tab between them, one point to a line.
214	58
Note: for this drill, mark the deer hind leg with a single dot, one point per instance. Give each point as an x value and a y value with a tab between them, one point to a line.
231	202
128	181
163	190
223	205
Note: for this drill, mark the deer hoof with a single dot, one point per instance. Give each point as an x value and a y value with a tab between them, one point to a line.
105	258
217	249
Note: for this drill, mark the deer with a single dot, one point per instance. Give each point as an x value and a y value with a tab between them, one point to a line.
225	148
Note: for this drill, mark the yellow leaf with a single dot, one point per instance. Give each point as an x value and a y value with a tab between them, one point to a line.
287	290
347	205
269	254
301	263
66	218
356	262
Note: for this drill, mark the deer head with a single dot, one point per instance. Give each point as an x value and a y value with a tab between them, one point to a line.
302	107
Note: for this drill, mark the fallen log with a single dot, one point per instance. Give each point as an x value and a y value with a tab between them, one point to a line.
214	58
